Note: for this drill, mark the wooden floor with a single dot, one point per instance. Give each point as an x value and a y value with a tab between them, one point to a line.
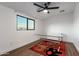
25	51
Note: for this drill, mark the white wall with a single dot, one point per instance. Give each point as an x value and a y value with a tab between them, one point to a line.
55	25
76	26
10	38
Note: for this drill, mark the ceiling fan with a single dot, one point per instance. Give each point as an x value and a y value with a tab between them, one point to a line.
45	7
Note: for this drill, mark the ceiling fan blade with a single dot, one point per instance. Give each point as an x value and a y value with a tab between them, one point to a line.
52	7
38	5
40	10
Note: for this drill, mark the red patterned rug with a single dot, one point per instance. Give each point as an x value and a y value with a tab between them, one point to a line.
44	45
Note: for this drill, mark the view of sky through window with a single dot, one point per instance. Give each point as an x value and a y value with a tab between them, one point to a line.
21	23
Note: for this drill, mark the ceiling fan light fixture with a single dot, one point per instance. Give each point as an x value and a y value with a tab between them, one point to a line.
45	11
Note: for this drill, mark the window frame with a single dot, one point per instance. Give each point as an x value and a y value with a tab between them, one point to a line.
17	23
26	22
33	24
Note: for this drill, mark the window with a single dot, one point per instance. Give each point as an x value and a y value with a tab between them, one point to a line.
31	24
21	22
24	23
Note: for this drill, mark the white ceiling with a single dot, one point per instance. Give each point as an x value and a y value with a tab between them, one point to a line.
29	9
